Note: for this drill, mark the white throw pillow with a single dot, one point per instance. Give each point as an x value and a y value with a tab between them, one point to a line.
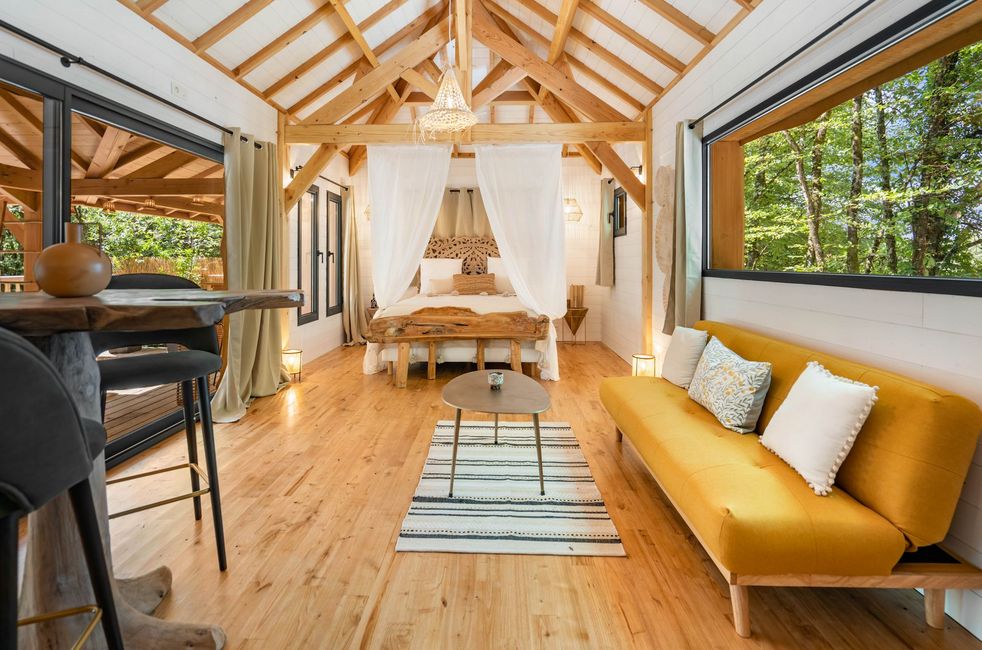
438	269
817	424
730	387
501	281
683	355
440	287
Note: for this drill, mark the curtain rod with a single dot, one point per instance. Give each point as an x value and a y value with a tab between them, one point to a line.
341	185
782	62
67	59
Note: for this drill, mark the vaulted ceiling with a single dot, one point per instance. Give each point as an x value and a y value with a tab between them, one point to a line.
326	62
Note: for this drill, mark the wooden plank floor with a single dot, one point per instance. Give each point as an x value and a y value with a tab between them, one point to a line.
316	481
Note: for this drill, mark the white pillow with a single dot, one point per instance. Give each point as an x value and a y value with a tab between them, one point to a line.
817	424
501	281
440	287
683	355
438	269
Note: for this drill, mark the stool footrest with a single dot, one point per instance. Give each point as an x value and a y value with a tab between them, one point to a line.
163	502
95	610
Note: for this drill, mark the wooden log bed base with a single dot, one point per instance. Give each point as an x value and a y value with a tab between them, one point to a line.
433	325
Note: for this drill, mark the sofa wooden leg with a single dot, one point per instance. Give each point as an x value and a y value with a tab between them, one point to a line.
934	607
620	434
740	601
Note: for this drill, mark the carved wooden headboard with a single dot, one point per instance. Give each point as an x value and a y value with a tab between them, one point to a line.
475	251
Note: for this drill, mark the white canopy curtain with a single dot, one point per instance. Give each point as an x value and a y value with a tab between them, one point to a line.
522	190
253	236
406	186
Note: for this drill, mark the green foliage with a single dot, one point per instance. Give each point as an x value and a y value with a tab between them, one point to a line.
127	237
11	263
919	190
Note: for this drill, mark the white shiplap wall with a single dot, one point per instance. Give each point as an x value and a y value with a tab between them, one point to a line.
929	337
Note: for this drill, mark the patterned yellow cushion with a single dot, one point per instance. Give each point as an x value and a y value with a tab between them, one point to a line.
730	387
474	284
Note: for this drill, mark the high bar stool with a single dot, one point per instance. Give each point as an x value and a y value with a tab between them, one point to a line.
47	449
190	368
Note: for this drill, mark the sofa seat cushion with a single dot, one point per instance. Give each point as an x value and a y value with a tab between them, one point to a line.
748	508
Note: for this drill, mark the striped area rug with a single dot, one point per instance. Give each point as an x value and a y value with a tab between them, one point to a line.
496	507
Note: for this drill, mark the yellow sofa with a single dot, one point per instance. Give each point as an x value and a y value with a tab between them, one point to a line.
758	519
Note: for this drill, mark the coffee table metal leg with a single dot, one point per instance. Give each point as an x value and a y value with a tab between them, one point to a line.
538	450
495	428
453	458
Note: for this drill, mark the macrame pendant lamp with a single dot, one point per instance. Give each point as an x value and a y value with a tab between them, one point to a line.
449	112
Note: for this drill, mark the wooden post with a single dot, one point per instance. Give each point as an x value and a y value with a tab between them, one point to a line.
647	241
480	354
402	365
431	362
516	355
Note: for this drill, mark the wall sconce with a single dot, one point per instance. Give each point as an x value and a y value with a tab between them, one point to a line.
293	363
638	171
571	208
643	365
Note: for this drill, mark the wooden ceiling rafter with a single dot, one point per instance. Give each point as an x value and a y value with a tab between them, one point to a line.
631	36
367	53
681	20
229	24
301	27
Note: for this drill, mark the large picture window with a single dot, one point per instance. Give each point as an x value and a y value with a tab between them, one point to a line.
876	173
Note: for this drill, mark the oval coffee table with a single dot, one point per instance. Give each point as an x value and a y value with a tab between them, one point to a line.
520	395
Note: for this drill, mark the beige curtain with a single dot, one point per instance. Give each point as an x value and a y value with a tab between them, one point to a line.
446	221
605	254
685	296
254	245
462	214
352	305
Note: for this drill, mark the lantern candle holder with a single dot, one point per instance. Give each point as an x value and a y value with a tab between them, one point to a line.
293	363
643	365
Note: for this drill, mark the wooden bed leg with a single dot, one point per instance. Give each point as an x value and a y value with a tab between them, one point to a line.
402	366
740	601
480	354
388	368
516	356
934	607
536	374
620	434
431	362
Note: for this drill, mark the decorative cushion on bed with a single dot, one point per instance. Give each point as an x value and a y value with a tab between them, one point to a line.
469	285
439	287
502	283
430	269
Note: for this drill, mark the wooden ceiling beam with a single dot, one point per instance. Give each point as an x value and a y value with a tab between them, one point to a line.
366	88
499	80
335	46
108	152
631	36
359	38
229	24
164	165
511	21
35	122
150	6
595	48
416	78
681	20
20	178
285	39
131	160
30	159
563	23
694	61
344	134
463	25
486	31
147	186
305	177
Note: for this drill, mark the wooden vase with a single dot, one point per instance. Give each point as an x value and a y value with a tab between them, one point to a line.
72	269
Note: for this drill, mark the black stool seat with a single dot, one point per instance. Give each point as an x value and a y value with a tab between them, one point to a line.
143	370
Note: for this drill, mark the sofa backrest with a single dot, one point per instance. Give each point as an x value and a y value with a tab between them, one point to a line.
910	459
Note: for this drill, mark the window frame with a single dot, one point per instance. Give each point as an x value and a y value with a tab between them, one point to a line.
313	293
335	251
925	16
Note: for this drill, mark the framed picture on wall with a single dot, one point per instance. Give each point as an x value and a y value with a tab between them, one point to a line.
620	212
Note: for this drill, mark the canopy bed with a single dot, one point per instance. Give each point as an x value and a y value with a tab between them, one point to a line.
489	295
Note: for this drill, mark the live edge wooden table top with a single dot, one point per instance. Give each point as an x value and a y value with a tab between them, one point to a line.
55	574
